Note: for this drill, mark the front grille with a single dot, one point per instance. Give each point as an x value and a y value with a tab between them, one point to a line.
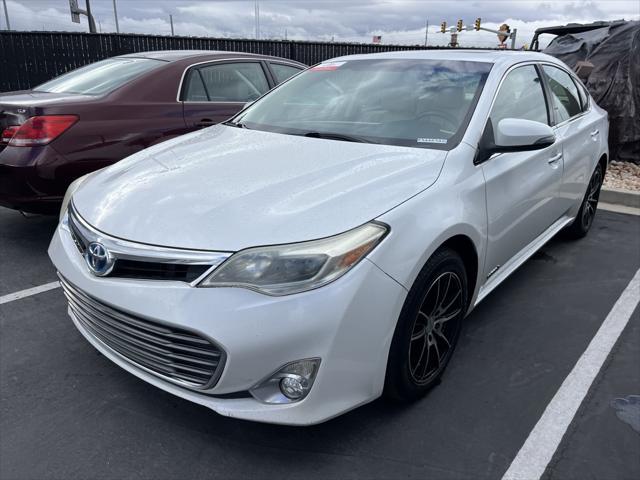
141	269
174	354
125	268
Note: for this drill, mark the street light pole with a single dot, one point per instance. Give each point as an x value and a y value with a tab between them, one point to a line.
92	23
6	14
426	33
115	14
171	21
257	18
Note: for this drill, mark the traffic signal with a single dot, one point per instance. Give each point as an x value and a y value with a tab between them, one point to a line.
443	27
460	25
477	24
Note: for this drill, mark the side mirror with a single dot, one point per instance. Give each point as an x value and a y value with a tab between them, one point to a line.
513	135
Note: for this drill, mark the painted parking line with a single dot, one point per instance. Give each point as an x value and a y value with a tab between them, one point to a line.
542	443
28	292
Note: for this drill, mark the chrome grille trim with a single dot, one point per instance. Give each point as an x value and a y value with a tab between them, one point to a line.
152	257
174	354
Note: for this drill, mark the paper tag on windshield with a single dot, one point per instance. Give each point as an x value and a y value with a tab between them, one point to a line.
431	140
328	66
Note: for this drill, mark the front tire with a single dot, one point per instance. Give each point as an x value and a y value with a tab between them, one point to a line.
584	219
428	328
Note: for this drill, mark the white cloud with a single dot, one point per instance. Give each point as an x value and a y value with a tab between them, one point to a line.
398	21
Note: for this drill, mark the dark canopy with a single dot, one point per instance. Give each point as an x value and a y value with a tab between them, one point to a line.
614	82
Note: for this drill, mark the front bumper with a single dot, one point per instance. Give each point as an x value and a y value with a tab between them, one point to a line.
349	324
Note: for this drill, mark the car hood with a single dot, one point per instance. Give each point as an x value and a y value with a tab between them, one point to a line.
226	188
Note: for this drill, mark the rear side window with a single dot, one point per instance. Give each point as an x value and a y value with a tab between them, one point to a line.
233	82
520	96
566	100
101	77
194	89
282	72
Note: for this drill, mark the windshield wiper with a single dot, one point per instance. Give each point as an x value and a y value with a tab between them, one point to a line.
235	124
335	136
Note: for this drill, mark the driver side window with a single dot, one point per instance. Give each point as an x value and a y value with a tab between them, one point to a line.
520	96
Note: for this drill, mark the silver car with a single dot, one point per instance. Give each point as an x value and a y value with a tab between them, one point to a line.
322	247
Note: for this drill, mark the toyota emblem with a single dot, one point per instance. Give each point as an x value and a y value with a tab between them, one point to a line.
98	259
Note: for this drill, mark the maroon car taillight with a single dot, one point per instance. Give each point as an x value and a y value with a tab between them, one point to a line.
8	133
41	130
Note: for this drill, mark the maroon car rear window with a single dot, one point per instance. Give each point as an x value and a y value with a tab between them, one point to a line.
100	77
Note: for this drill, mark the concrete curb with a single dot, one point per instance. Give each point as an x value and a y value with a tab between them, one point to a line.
617	196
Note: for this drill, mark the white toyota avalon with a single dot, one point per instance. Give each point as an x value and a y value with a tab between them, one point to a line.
323	247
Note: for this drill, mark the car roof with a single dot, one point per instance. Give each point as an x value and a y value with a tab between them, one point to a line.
177	55
459	54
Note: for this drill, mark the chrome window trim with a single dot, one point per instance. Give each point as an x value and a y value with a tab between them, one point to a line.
129	250
230	59
573	77
223	102
569	120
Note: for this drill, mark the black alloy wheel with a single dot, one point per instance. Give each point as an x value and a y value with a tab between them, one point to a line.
428	328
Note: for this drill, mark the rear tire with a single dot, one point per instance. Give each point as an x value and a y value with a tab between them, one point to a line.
428	328
584	219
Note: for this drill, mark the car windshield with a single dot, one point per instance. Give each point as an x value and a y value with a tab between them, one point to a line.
100	77
409	102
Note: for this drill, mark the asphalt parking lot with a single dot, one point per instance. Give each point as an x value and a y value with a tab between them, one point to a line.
67	412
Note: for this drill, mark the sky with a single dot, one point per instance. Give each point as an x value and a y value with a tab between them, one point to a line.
398	21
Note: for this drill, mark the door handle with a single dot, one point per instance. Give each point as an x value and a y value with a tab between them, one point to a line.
555	159
595	132
205	122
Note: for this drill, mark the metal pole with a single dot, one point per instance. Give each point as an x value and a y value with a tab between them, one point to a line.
6	14
92	23
426	33
115	14
257	15
513	39
171	21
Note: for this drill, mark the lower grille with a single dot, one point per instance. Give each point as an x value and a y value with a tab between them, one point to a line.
175	354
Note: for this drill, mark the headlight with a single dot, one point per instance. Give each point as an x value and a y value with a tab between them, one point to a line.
69	193
287	269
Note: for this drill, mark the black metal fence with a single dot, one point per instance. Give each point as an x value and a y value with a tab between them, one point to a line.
30	58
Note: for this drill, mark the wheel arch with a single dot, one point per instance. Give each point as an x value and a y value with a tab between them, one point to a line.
463	245
604	163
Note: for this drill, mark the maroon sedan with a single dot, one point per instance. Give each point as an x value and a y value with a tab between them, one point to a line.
99	114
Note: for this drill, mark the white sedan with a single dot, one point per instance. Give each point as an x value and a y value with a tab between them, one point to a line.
323	247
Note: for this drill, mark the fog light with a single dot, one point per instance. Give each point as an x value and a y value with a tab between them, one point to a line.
290	383
293	387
